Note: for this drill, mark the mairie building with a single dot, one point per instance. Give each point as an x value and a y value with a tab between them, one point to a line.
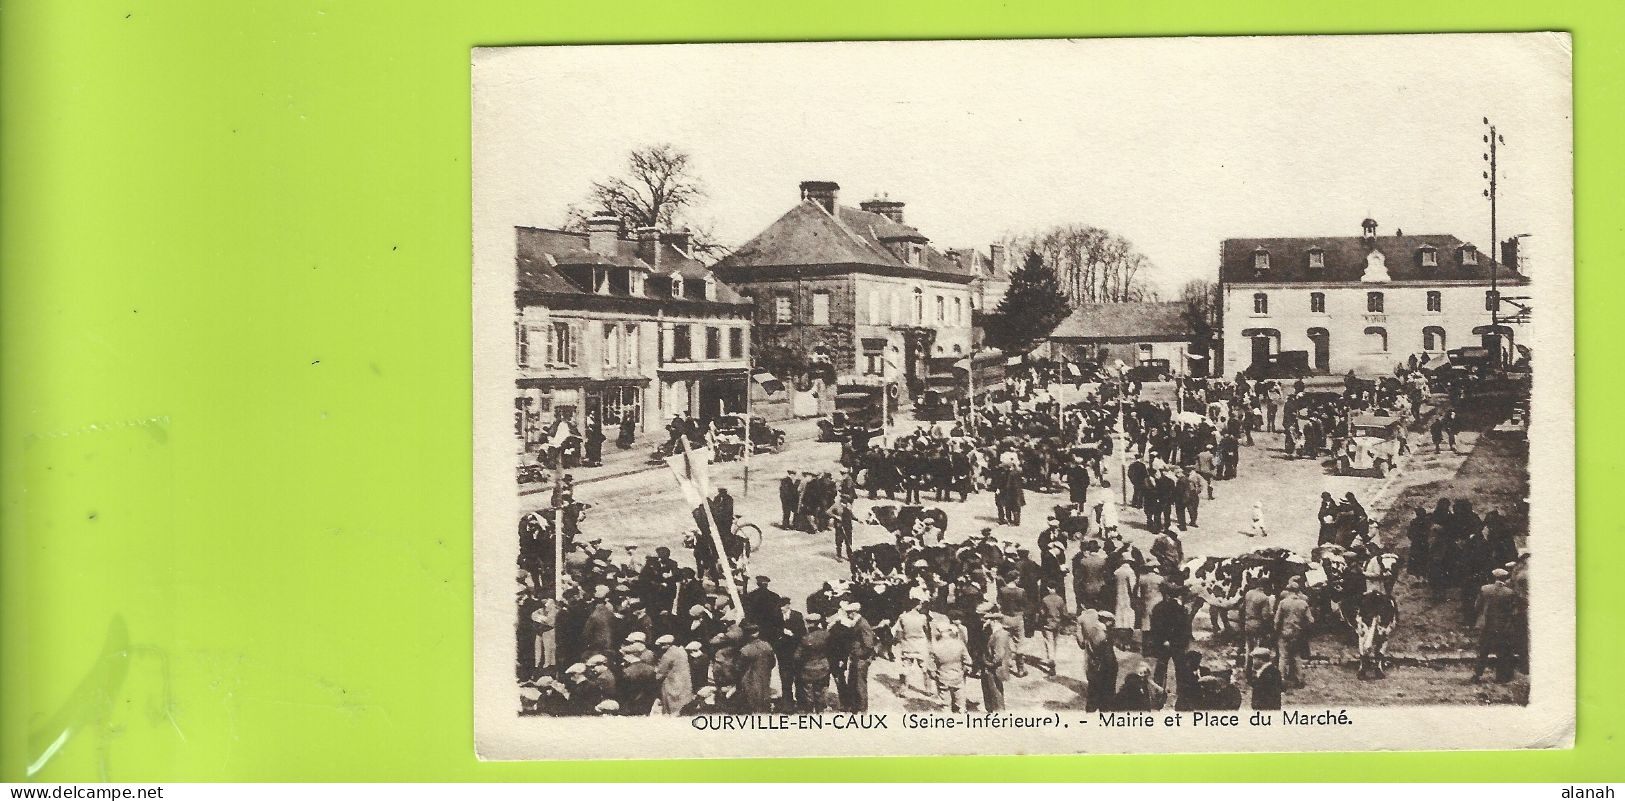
1366	303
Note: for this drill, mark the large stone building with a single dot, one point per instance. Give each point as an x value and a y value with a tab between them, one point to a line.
1363	303
610	326
857	289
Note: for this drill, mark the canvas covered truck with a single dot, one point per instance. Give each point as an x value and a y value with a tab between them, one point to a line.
1374	446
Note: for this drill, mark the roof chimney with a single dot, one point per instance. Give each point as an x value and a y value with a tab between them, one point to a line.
1369	228
996	255
890	209
649	245
603	229
1512	254
822	191
682	239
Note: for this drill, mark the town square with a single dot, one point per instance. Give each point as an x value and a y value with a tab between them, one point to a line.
833	446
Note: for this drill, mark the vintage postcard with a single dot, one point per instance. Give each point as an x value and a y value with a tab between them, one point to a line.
988	397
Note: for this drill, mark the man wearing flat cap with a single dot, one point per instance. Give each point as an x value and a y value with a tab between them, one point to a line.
1293	617
639	684
1100	684
1497	607
1265	679
672	674
997	654
812	661
853	644
784	649
699	665
756	663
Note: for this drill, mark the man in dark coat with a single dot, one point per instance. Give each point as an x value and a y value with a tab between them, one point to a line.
996	656
812	660
789	497
1170	632
756	662
1265	679
762	607
598	631
840	515
1015	496
1188	497
785	646
722	510
1090	575
1167	494
639	685
853	644
1416	562
1077	481
1137	474
1497	609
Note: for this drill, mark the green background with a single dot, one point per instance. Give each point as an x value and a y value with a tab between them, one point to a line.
235	335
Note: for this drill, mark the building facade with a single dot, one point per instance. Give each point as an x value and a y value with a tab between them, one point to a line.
1133	333
856	289
610	326
1364	303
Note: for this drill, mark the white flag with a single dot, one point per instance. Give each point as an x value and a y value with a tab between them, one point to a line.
692	471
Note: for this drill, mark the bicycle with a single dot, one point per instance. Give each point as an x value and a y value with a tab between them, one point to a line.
749	534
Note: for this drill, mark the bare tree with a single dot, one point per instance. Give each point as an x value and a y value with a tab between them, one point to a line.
1093	265
657	187
1202	310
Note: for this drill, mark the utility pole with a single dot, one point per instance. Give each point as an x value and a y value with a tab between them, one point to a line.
1494	140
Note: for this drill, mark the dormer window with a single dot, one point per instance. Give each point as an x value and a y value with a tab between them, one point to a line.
1317	259
676	285
1261	259
1469	256
1430	257
914	253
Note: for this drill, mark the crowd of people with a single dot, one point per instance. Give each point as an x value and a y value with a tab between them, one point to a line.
631	637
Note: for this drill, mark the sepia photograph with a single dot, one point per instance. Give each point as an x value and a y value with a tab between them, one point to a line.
1023	396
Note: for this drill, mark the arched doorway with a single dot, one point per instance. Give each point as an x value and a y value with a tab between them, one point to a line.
1264	342
1320	345
1498	338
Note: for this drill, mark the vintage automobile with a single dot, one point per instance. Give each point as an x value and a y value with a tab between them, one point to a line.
1150	370
1286	364
857	406
934	405
763	437
1374	445
1476	359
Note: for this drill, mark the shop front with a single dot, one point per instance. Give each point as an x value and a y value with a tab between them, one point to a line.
540	404
703	394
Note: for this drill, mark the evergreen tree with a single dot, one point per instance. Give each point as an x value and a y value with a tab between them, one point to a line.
1032	307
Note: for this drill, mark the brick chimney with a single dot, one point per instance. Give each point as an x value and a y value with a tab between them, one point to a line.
603	231
824	192
1512	253
891	209
682	239
649	245
996	255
